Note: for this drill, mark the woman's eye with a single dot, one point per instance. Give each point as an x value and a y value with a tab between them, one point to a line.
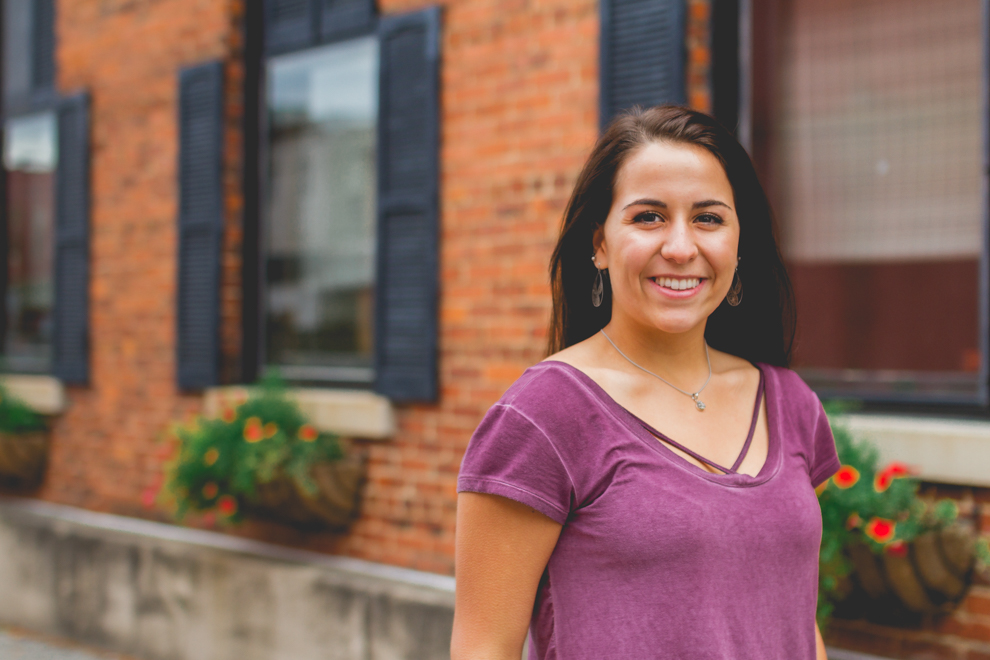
709	218
649	217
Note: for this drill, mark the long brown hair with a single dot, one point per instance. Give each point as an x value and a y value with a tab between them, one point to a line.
761	329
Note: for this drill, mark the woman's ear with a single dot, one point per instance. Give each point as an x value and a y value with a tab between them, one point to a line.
598	244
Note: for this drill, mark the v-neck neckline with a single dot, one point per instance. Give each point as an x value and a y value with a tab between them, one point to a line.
652	438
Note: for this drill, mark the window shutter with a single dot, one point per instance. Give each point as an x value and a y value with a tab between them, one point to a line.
339	18
43	45
408	146
71	313
290	24
200	224
642	54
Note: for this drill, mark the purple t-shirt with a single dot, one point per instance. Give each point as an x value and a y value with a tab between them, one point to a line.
659	558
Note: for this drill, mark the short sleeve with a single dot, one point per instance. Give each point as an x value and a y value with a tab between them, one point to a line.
825	459
510	456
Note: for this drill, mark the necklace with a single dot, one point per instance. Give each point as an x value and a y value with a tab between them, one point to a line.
697	402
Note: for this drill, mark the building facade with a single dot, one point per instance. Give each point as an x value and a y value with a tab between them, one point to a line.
365	197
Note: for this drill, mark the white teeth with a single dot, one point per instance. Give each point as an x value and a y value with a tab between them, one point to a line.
678	285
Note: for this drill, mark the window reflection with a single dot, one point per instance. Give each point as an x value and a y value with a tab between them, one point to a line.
868	130
30	157
320	229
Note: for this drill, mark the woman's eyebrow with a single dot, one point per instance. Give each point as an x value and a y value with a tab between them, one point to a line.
663	205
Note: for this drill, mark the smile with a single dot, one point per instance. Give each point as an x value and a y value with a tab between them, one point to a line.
677	284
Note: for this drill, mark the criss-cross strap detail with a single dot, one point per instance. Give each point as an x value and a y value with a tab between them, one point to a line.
745	447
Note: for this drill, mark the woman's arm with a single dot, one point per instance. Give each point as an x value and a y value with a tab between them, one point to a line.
501	550
819	645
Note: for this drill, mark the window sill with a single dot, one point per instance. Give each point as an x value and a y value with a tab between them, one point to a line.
44	394
349	413
950	451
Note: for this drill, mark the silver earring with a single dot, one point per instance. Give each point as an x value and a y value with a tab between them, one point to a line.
735	295
598	288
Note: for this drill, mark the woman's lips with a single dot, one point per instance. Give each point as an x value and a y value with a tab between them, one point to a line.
678	287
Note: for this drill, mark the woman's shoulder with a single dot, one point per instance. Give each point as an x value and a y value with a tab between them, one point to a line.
549	384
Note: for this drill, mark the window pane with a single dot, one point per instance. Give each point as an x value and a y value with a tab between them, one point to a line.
869	135
30	156
320	229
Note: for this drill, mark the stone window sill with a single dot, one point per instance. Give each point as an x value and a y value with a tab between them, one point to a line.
953	451
44	394
348	413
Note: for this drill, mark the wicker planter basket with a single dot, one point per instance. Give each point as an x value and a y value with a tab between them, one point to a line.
334	505
22	457
931	578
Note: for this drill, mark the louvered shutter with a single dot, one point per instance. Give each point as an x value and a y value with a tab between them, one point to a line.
408	146
43	45
340	18
290	24
642	54
71	308
200	225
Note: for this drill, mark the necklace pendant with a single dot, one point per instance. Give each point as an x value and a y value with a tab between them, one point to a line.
699	404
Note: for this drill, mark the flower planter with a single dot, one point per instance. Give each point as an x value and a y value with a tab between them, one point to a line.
22	457
333	506
928	577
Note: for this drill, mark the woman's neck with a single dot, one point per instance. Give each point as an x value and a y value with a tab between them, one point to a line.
680	355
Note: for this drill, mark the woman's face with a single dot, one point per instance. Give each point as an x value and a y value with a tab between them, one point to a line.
671	237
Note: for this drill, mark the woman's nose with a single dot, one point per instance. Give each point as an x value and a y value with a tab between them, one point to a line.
678	245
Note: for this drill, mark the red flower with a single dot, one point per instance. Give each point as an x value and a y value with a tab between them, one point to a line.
897	469
228	415
253	431
307	433
880	530
149	496
227	505
853	521
846	477
886	476
210	490
270	429
898	548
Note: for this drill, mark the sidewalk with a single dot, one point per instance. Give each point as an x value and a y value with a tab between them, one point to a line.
18	644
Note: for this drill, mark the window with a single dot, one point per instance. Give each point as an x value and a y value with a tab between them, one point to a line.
320	217
30	156
868	130
340	253
44	262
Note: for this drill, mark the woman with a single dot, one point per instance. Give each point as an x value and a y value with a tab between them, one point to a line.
648	490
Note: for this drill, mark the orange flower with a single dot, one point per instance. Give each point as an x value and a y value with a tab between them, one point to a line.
846	477
271	428
253	431
228	415
227	505
211	456
210	490
307	433
853	521
880	530
898	548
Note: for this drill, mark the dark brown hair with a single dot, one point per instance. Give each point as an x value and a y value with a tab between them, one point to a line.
761	329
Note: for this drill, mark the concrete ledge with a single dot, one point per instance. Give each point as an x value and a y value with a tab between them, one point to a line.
350	413
944	450
165	592
45	394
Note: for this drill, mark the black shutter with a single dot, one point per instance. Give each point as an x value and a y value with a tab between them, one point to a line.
340	18
43	45
642	54
200	224
408	147
71	309
290	24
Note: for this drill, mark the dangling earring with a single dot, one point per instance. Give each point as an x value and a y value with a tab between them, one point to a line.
734	297
598	288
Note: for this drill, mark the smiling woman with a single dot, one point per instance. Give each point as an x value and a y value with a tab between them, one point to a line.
594	507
